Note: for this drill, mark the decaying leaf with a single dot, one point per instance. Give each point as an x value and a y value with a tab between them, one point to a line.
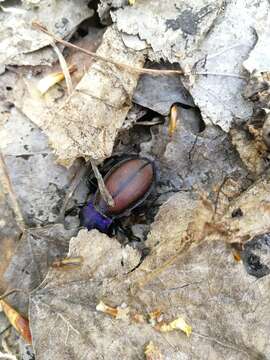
9	232
252	151
205	202
35	253
87	123
171	29
20	42
197	282
259	59
177	32
254	204
38	182
20	323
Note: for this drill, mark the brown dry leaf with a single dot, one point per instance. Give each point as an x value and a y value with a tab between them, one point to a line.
197	283
37	249
87	122
255	209
252	152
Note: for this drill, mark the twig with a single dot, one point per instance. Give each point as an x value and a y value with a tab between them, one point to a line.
130	68
218	195
102	187
154	72
64	68
6	329
7	183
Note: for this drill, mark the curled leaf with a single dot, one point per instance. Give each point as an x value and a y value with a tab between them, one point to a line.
177	324
20	323
173	120
120	312
50	80
236	256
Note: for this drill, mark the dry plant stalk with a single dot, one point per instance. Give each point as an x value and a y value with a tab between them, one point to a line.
155	72
67	263
101	185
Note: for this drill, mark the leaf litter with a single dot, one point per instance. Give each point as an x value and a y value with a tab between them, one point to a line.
211	197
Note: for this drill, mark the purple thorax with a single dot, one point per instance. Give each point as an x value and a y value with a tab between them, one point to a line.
92	219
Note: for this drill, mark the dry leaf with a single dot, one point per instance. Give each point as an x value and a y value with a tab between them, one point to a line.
119	312
177	324
86	124
20	323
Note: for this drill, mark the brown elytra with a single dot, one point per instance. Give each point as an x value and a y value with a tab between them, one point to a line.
129	183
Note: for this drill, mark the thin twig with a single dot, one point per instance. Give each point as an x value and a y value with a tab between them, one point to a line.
130	68
218	195
6	329
154	72
101	185
7	183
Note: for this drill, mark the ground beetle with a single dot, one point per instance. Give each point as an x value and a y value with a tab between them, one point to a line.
129	182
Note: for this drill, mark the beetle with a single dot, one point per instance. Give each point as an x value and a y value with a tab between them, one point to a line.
129	182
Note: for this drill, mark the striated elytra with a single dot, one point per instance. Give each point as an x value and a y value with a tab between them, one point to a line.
129	183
